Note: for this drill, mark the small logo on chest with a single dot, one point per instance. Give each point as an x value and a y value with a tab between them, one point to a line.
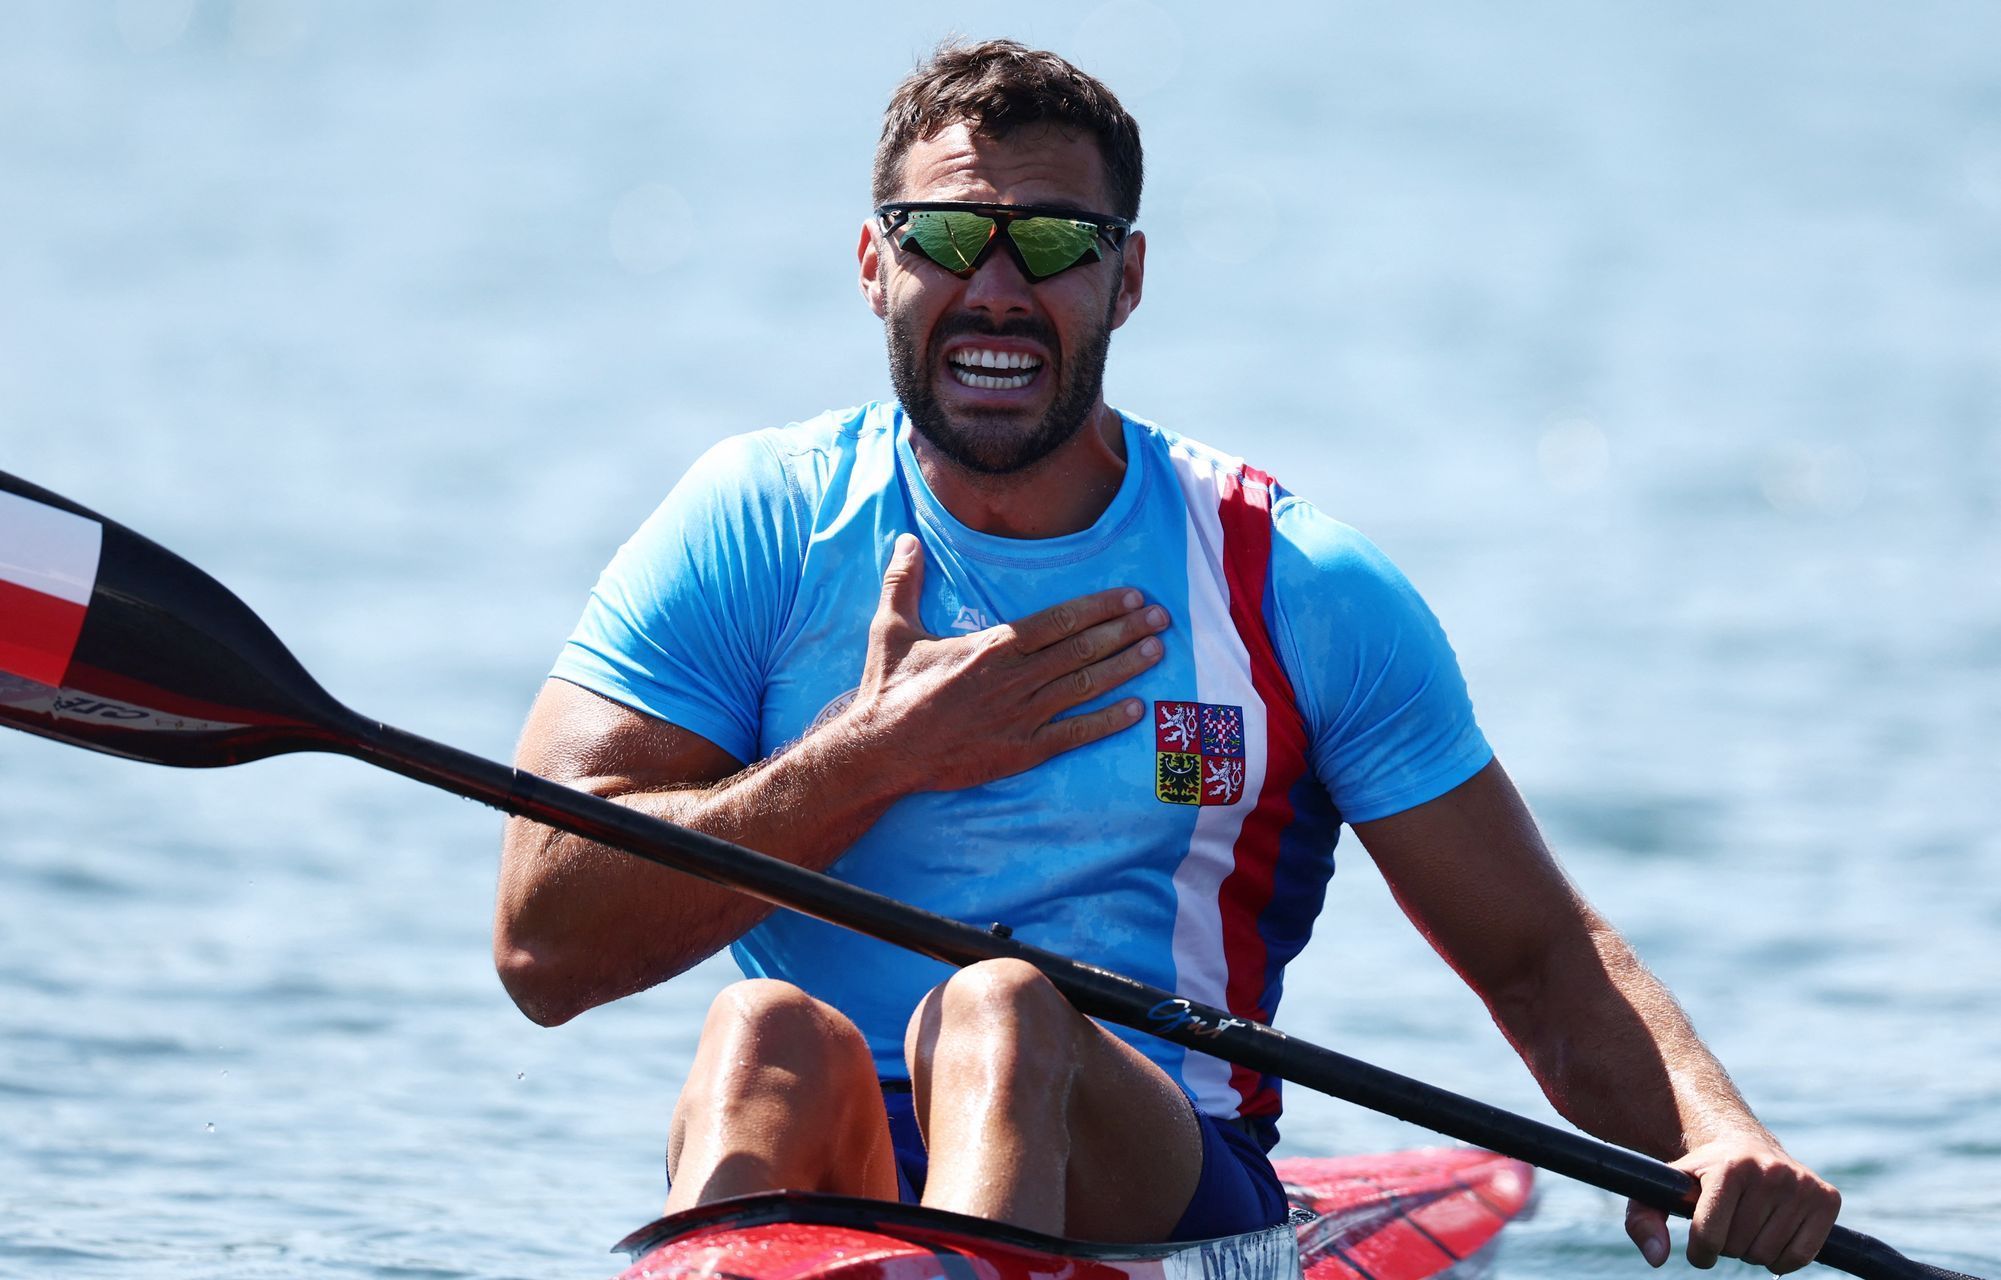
970	620
1198	753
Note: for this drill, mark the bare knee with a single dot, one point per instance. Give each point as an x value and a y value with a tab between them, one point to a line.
1001	1013
1005	984
782	1094
776	1025
769	1050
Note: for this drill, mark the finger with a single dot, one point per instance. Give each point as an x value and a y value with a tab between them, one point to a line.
1812	1234
1711	1224
1098	642
1766	1207
1074	688
903	583
1071	732
1775	1235
1647	1227
1038	631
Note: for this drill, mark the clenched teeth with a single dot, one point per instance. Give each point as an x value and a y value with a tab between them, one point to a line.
992	382
1009	369
985	358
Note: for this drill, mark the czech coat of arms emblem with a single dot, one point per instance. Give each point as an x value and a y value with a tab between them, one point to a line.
1198	753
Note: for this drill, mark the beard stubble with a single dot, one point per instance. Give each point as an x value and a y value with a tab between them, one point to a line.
996	444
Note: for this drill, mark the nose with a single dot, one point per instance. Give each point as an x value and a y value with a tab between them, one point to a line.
998	286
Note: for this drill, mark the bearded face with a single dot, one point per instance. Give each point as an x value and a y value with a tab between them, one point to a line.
969	385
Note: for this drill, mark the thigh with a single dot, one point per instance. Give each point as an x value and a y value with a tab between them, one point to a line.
1024	1087
1136	1148
782	1093
1137	1129
1037	1114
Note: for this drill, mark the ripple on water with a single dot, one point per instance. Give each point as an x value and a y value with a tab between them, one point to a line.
51	1259
80	1043
68	882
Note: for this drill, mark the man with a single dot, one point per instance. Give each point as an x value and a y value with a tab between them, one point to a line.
1005	652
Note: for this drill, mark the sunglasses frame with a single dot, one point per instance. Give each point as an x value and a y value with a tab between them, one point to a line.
895	214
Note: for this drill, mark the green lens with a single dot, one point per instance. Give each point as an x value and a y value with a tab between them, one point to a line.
952	239
1050	245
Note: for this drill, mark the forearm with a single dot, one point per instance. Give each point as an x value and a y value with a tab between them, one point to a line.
1614	1051
1606	1041
579	924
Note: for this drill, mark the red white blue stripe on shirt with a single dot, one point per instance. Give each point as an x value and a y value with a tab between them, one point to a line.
1226	886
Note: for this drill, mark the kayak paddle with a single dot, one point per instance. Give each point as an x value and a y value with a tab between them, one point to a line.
109	641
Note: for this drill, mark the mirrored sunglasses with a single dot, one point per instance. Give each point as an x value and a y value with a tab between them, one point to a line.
959	235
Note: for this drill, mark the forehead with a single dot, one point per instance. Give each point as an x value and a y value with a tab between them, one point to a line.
1039	164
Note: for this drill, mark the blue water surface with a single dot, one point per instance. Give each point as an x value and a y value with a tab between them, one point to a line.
1660	344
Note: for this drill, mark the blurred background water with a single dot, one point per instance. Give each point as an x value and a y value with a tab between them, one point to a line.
1657	342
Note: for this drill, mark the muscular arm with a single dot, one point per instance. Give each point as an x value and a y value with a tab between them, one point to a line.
1603	1037
1606	1041
577	924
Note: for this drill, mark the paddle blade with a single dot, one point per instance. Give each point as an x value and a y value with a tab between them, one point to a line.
112	642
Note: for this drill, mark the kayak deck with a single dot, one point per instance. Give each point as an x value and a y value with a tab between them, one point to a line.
1401	1216
1404	1215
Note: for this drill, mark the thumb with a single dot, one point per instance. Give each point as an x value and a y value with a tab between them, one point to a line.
1647	1227
903	583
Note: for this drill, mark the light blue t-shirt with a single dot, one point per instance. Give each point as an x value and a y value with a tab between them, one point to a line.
1304	683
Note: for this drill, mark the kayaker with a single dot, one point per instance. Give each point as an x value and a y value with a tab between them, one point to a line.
1001	650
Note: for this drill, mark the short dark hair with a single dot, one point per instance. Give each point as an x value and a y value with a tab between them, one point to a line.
998	86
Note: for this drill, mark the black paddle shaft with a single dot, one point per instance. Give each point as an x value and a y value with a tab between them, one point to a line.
169	666
1097	992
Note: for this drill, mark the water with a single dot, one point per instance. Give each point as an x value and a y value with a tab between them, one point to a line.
1657	342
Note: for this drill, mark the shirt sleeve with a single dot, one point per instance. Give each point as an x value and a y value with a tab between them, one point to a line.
1389	722
682	622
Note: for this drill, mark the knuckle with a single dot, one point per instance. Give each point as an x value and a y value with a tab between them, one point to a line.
1080	684
1063	618
1080	649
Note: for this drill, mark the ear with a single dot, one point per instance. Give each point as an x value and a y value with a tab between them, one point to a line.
869	253
1132	275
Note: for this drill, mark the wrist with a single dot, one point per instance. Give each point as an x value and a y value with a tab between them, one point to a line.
858	752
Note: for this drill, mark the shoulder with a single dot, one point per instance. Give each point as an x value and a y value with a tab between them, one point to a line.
1204	472
767	484
1323	576
834	434
1330	547
1249	500
803	456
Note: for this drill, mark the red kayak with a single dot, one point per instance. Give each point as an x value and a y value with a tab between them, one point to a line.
1400	1216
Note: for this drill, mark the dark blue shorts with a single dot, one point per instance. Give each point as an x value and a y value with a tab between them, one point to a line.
1236	1192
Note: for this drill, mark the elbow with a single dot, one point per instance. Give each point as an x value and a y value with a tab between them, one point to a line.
543	988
